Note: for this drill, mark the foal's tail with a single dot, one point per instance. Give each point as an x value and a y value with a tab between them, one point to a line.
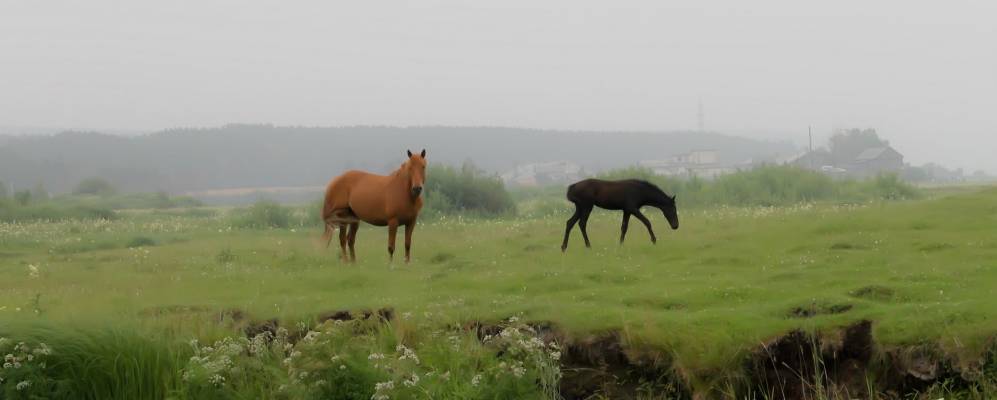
570	195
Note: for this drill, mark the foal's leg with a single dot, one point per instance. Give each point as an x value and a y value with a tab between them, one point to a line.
351	238
647	223
409	227
583	223
567	231
626	223
392	230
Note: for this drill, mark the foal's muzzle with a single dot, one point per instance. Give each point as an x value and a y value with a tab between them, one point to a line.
416	191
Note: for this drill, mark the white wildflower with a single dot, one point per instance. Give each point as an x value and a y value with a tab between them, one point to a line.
414	380
476	380
23	385
216	380
407	354
375	356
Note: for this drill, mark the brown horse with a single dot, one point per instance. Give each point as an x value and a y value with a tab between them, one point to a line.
379	200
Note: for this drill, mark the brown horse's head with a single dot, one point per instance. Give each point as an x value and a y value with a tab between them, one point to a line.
416	167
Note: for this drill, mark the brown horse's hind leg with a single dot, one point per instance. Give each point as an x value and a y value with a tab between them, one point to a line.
342	243
339	219
351	239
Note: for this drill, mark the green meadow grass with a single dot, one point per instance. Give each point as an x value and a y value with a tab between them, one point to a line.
707	294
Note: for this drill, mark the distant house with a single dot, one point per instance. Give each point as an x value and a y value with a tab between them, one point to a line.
876	160
539	174
815	160
698	163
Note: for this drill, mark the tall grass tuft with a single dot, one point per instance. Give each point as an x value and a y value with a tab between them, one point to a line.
98	364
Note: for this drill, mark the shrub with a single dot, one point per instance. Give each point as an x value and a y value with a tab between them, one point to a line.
771	186
94	186
890	187
50	211
23	197
465	190
141	241
264	214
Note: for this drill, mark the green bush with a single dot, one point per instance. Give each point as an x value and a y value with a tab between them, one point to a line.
771	186
23	197
262	215
890	187
94	186
52	211
141	241
467	190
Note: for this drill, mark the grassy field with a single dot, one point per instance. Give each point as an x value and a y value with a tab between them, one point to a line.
702	300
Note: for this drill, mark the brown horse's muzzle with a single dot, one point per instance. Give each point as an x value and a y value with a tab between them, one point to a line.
416	191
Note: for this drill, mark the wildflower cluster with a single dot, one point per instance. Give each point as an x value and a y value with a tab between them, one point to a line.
524	352
24	366
232	359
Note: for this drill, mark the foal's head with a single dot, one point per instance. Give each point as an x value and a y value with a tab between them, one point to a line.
416	168
667	207
664	202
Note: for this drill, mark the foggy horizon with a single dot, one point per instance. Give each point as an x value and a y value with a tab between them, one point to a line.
915	73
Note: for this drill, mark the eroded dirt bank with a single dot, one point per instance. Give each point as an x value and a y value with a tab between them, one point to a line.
843	363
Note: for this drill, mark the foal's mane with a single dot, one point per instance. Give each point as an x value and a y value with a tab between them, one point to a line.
650	186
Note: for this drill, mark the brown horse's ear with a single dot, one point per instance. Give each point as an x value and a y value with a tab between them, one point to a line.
409	152
423	153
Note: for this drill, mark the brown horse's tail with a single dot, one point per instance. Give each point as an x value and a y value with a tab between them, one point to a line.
326	213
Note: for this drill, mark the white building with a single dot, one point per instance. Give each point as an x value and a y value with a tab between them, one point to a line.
539	174
698	163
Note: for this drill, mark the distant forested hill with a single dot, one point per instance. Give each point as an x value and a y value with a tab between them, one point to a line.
264	155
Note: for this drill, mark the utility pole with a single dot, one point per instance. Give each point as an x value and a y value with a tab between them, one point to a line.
810	154
701	118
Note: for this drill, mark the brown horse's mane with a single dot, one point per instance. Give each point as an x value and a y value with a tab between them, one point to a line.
400	169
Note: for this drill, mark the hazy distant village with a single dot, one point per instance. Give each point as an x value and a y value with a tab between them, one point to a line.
853	153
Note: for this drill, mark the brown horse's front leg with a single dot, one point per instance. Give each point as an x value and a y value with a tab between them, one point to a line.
409	227
392	231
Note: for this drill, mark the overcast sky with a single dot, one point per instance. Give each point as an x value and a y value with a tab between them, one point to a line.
923	73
